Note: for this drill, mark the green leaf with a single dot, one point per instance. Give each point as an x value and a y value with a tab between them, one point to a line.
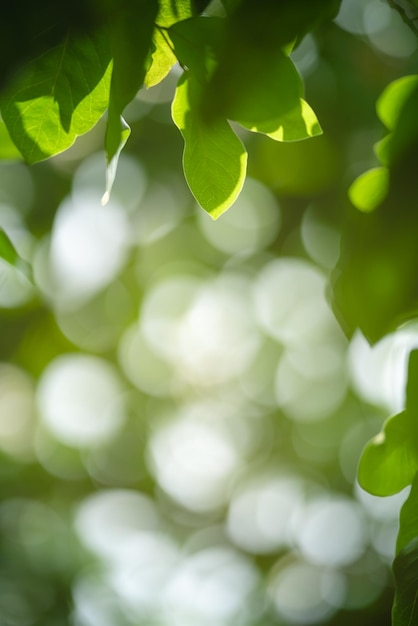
382	150
214	159
59	95
408	522
269	101
196	42
8	150
390	104
412	388
267	95
163	58
131	33
172	11
253	41
375	285
370	189
9	254
112	165
405	570
397	108
390	460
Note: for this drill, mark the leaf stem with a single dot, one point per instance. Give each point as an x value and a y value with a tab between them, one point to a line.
410	21
163	31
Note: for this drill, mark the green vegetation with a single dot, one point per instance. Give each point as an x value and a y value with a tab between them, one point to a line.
178	373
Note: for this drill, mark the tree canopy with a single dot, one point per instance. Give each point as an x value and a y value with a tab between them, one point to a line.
295	126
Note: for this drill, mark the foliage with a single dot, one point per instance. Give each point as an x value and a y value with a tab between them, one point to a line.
238	75
62	93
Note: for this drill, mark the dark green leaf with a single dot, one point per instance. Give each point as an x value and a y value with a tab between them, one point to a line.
253	39
58	96
374	285
408	523
270	100
196	43
267	95
214	158
405	570
412	388
30	29
132	25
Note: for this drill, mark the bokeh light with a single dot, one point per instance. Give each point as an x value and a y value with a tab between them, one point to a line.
195	455
80	399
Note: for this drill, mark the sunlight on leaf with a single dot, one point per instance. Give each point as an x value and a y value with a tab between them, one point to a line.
299	123
390	460
269	101
389	105
163	57
214	158
8	150
58	96
396	108
370	189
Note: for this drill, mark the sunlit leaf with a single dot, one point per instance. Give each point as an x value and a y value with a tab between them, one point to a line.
214	158
270	102
370	189
397	108
390	460
58	96
254	40
172	11
405	570
8	150
267	96
163	57
382	150
390	104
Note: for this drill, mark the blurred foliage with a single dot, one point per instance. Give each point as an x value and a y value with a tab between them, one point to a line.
181	416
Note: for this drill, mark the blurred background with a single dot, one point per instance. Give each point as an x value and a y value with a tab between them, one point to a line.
181	416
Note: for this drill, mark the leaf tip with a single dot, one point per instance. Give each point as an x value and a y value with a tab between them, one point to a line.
105	198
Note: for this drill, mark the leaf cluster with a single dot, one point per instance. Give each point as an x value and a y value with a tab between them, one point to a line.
235	68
